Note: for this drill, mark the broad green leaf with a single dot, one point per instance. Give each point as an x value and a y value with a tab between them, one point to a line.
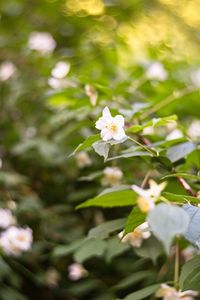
103	230
91	176
135	218
133	279
114	199
167	221
183	175
115	247
180	198
101	148
130	154
64	250
155	123
143	293
180	151
193	232
190	275
93	247
150	248
86	144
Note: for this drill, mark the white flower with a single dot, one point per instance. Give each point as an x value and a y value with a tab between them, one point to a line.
112	176
195	76
175	134
83	159
76	272
156	71
194	129
136	237
91	93
167	292
42	42
16	240
6	218
147	198
111	127
56	83
60	70
7	70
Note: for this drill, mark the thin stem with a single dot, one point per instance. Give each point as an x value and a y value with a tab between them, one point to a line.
176	266
146	179
176	95
153	153
186	186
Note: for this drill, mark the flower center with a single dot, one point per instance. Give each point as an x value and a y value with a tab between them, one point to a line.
112	127
22	237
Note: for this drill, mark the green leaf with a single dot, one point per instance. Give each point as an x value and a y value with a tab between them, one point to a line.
133	279
190	275
142	294
91	248
86	144
180	151
180	198
135	218
64	250
101	148
151	248
131	154
114	199
115	247
103	231
155	123
183	175
166	222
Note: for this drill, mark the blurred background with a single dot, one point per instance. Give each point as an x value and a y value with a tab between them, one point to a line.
61	61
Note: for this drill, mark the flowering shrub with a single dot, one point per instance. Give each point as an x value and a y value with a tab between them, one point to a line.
99	153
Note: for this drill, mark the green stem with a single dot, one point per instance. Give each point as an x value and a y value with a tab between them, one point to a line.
176	266
153	153
176	95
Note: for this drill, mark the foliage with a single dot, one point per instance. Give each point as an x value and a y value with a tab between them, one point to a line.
76	191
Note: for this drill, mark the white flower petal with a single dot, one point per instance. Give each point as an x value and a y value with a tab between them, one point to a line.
119	120
119	134
100	124
106	113
141	192
106	134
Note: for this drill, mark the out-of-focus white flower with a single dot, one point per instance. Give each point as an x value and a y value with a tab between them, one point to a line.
136	237
156	71
148	130
194	129
60	70
175	134
43	42
83	159
112	176
195	76
16	240
189	252
167	292
7	70
147	198
77	271
91	93
111	127
52	277
6	218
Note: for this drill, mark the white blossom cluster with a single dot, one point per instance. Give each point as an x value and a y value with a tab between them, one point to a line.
13	240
